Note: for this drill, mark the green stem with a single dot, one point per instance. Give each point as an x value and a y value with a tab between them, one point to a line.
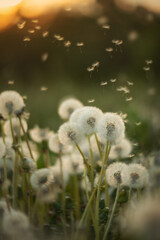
26	138
63	187
84	159
76	197
107	201
11	126
92	163
5	168
99	188
99	147
15	175
2	129
130	194
112	213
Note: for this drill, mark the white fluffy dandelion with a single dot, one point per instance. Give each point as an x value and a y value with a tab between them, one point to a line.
138	176
56	146
15	223
25	151
76	114
29	165
3	208
41	178
68	106
17	131
49	193
88	120
38	135
121	150
2	148
117	174
111	127
69	134
11	103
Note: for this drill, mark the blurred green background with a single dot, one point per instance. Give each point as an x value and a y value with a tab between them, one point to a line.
65	73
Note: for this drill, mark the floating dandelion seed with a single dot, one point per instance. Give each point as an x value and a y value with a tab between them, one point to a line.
67	44
26	39
113	80
35	20
37	27
24	97
31	31
106	26
138	123
44	57
132	155
58	37
80	44
95	64
146	68
90	69
44	89
130	83
110	49
132	35
45	34
129	99
119	42
104	83
91	100
149	61
123	89
11	82
21	24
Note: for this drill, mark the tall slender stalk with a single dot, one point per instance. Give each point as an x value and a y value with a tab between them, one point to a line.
99	147
76	197
107	150
112	213
63	187
84	159
92	163
25	137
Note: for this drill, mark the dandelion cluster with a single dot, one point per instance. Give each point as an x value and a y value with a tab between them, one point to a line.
72	177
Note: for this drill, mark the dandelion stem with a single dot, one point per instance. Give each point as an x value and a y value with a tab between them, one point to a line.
130	194
2	130
76	197
5	168
92	163
98	145
112	213
26	138
11	126
107	150
63	187
84	159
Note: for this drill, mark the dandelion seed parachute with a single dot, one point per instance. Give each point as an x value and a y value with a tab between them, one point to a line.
138	175
69	134
38	135
68	106
88	119
121	150
17	131
111	127
11	103
117	173
15	223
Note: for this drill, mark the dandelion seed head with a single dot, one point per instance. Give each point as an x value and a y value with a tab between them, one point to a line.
121	150
10	103
48	194
138	175
17	131
15	223
68	106
41	178
116	173
69	134
56	146
88	120
29	165
40	134
111	127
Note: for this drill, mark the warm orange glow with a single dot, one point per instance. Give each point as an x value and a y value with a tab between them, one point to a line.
9	9
8	3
